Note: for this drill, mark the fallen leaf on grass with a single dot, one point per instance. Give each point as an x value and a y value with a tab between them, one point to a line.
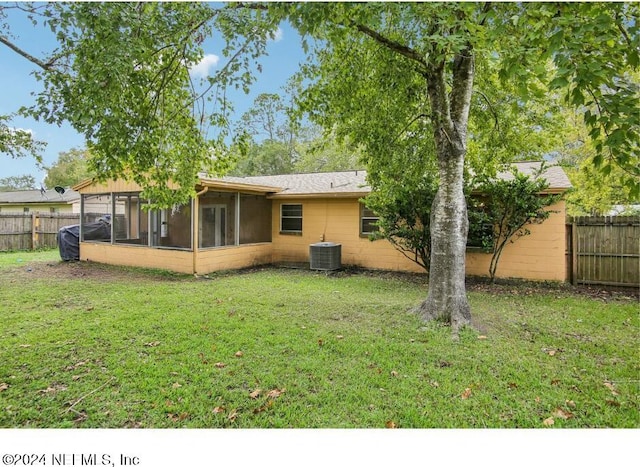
220	365
613	403
176	385
24	346
255	394
611	388
81	417
394	373
320	342
263	408
3	387
555	382
570	403
466	394
512	385
239	353
339	336
275	393
233	415
548	421
177	418
390	424
219	409
152	344
563	414
482	337
551	352
53	389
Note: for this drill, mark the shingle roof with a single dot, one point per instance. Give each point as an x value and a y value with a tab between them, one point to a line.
325	183
554	174
38	196
354	182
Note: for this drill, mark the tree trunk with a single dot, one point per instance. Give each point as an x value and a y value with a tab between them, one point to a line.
447	298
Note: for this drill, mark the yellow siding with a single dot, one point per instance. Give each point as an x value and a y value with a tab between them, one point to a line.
335	220
233	257
33	207
539	256
131	255
116	186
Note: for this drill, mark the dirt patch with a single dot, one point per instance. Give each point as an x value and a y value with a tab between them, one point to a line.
87	270
66	270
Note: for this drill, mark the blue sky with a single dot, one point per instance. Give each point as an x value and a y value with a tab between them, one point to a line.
17	85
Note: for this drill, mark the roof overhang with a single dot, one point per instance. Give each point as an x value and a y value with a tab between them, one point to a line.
284	195
234	186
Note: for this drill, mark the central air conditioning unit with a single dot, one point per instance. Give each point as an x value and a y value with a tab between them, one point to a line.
325	256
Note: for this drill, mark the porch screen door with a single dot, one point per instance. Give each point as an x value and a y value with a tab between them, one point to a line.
213	225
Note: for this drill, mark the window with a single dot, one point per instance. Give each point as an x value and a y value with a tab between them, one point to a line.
25	210
291	218
53	210
368	221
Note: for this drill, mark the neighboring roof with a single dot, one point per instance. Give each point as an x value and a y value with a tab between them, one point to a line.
39	197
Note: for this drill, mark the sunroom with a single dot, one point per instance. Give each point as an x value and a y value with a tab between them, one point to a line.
227	225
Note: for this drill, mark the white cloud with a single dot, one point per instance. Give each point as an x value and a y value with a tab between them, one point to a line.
202	68
277	35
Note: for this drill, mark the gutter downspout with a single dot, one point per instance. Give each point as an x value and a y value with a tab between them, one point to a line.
195	227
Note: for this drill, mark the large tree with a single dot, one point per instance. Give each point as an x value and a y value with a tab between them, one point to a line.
120	75
394	70
70	168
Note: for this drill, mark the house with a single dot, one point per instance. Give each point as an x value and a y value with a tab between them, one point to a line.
43	201
239	222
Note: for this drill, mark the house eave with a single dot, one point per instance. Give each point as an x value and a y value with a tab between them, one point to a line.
234	186
351	194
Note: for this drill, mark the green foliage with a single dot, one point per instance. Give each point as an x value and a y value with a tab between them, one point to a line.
278	143
594	192
16	142
120	76
594	50
70	168
510	205
404	212
324	153
265	158
20	182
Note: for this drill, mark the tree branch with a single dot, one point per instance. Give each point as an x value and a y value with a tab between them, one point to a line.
392	45
47	66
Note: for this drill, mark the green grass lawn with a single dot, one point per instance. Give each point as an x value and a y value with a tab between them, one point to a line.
87	345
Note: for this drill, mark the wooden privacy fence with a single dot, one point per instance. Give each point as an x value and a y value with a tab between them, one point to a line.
604	250
32	230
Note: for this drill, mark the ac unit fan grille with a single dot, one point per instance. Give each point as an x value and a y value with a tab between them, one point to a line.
325	256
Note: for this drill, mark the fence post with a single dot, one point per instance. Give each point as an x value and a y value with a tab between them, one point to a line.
574	252
35	223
